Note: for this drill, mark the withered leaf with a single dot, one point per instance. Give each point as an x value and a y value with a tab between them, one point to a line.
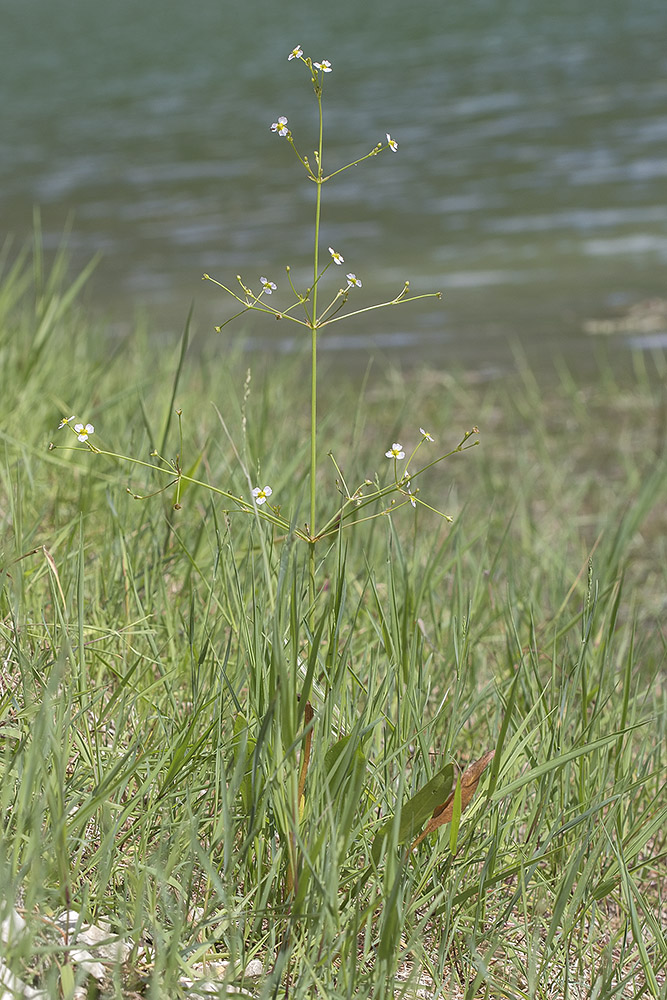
308	716
469	780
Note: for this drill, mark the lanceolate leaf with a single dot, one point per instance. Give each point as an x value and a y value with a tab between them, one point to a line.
469	781
344	761
242	742
416	810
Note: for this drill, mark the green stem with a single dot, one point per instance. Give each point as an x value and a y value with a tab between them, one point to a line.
313	372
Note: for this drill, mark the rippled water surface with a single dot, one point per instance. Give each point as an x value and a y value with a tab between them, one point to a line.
530	184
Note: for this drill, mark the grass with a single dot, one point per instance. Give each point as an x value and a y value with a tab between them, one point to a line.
198	761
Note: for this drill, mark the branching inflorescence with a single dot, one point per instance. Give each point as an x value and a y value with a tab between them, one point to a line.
371	498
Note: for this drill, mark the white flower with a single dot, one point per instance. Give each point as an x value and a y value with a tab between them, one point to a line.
393	145
280	126
410	494
353	280
425	434
82	432
296	53
396	451
261	495
325	66
65	420
337	257
267	286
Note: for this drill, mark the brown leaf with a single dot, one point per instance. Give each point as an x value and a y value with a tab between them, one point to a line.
469	782
308	716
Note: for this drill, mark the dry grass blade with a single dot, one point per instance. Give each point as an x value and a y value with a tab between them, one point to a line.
308	716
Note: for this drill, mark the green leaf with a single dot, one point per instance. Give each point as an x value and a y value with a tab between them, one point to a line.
240	739
335	770
417	810
67	980
183	484
345	765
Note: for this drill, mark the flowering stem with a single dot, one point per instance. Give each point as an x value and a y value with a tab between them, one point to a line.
313	375
373	152
399	300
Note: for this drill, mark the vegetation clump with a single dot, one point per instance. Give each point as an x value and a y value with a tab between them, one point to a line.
258	741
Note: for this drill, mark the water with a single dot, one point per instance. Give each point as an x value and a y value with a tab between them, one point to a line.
530	185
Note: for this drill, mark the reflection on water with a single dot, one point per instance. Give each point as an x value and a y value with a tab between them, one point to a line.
530	184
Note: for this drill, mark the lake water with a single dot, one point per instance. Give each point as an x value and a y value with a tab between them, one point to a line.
530	184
